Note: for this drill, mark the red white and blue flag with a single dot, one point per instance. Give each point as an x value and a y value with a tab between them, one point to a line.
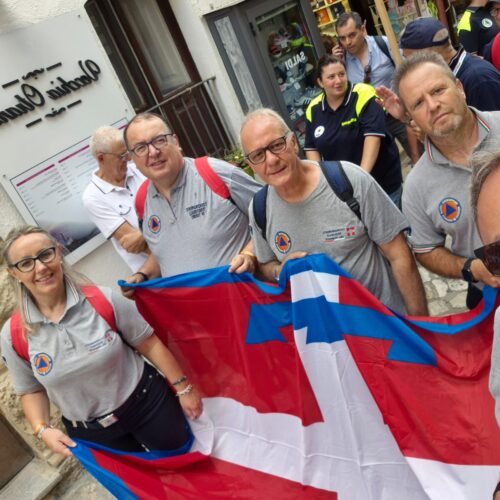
313	389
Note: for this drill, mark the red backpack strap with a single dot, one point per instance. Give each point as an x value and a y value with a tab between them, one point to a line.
18	336
101	304
213	181
140	201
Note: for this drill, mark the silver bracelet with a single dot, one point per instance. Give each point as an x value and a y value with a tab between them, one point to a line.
185	391
42	430
180	380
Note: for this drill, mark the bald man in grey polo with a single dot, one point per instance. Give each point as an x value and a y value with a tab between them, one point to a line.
436	196
198	229
60	352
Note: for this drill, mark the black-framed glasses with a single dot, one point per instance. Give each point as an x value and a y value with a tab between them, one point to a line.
259	155
368	74
158	142
494	11
490	255
28	264
121	157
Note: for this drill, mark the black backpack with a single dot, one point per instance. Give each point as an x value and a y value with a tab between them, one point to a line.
382	45
338	181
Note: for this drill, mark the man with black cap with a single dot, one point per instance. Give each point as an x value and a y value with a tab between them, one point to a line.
480	80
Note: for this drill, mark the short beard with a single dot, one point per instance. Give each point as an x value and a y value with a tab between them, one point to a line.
451	128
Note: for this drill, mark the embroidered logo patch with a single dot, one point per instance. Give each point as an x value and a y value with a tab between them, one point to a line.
282	241
318	131
43	363
450	209
154	224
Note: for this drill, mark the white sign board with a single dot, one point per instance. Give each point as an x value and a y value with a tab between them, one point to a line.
57	86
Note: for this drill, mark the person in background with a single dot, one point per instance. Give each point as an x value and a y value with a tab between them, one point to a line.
345	123
491	51
480	80
368	59
91	369
476	27
109	196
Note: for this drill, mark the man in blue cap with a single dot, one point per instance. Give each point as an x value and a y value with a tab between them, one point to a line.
480	80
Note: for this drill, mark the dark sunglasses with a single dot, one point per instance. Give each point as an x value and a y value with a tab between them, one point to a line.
368	74
490	255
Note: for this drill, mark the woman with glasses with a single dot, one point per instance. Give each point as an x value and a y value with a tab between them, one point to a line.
345	123
80	348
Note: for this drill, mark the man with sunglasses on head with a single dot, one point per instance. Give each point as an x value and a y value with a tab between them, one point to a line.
304	215
436	194
368	60
485	204
109	196
187	225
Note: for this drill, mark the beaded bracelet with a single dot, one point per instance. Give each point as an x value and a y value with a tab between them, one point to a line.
185	391
144	275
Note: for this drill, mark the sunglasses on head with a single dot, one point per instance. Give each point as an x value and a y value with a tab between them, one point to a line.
490	255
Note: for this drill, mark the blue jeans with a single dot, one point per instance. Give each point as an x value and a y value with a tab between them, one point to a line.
395	196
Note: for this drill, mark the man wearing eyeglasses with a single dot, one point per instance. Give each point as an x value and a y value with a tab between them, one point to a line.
109	197
368	60
304	215
188	227
485	188
491	51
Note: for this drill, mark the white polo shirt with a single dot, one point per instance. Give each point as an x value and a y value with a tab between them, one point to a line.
110	206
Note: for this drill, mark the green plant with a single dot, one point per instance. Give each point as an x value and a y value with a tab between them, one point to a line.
237	158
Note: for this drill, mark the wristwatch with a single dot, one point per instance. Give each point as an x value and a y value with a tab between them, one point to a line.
466	271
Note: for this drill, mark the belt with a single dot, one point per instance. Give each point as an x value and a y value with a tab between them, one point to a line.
97	423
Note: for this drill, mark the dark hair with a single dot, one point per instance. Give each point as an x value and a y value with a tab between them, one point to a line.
140	118
343	19
329	42
326	60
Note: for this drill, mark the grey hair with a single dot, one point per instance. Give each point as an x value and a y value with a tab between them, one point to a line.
103	139
344	18
483	163
143	117
265	113
20	290
415	61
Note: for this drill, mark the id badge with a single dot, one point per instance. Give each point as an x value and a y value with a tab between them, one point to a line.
108	420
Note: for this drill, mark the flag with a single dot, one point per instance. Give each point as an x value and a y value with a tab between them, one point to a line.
314	389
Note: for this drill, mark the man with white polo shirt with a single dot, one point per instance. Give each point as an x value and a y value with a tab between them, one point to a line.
109	197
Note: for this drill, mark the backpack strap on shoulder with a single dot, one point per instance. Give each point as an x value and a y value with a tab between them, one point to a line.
259	209
340	184
211	178
382	45
140	201
101	304
18	336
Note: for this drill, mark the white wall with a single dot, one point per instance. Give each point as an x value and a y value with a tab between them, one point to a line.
103	265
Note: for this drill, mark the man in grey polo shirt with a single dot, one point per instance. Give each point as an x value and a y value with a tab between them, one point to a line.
187	226
436	193
305	215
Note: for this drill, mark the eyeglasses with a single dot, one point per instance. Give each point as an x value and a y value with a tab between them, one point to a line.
44	256
368	74
159	142
490	255
121	157
495	11
259	155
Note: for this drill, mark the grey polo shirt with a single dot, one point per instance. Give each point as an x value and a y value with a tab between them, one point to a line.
84	366
436	196
198	229
324	224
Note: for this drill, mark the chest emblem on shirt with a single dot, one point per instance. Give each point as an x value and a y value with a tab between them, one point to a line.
198	210
43	363
319	131
154	224
487	23
450	209
283	242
